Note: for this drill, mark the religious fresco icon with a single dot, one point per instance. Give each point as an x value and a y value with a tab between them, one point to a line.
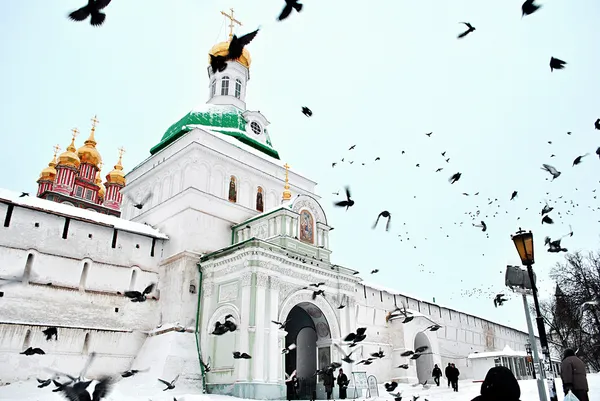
306	227
232	190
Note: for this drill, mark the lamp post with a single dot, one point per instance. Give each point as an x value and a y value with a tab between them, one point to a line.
524	243
530	359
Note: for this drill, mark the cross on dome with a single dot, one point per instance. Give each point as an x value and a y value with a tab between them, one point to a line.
75	132
56	150
95	121
287	195
231	22
121	151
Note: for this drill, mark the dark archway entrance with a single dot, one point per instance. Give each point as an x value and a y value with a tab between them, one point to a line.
309	330
425	362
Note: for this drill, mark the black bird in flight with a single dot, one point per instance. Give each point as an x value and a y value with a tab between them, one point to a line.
44	383
287	10
555	173
597	124
356	337
499	300
32	351
307	112
514	195
348	202
389	387
429	134
241	355
137	296
483	226
92	8
578	159
51	332
140	205
171	385
454	178
351	147
556	64
547	209
546	219
132	372
387	215
24	194
346	357
281	325
470	29
234	52
529	7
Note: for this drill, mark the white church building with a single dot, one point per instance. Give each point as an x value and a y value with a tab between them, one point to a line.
228	229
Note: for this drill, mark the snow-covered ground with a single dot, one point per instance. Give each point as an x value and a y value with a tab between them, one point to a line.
152	390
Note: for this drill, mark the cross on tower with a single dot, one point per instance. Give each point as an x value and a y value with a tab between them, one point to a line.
56	149
94	122
75	132
231	21
121	151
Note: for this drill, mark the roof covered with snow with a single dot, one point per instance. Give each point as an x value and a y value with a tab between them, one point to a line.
392	291
86	215
225	119
507	351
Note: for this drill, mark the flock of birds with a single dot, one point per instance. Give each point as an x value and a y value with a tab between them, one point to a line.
76	388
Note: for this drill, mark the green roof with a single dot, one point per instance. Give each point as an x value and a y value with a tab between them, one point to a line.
225	119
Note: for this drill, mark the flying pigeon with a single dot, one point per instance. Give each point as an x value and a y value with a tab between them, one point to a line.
92	8
470	29
348	202
454	178
387	215
529	7
287	10
137	296
241	355
555	173
556	64
171	385
307	112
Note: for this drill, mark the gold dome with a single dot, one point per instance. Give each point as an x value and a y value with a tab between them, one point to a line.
69	157
88	152
117	176
102	190
222	49
49	173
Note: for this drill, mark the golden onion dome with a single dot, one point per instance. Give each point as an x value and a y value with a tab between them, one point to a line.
222	49
102	190
49	173
117	176
69	157
88	152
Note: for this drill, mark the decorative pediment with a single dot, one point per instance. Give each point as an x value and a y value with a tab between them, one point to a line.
310	203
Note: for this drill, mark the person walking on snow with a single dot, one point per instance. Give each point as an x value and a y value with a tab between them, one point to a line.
448	373
573	376
342	382
454	377
437	373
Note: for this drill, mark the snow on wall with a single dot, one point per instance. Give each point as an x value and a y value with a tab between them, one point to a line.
33	229
115	351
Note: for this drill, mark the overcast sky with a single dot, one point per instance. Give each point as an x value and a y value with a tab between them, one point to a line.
378	75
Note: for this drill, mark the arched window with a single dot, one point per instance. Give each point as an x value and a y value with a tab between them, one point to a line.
238	88
86	344
27	340
213	88
133	280
225	86
84	274
307	227
232	189
28	267
260	206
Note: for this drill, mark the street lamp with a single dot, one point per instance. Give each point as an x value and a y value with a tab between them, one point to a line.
524	243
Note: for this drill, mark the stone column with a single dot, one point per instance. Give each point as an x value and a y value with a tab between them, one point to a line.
350	326
326	239
242	364
259	356
274	350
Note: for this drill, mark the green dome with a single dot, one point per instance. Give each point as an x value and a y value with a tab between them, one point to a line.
225	119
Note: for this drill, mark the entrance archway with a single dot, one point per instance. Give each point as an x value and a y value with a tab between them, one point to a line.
309	329
425	362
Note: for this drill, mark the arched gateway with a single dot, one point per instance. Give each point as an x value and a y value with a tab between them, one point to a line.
312	326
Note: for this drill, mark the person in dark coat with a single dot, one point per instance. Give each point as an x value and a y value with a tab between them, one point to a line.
342	382
447	372
437	373
328	381
573	375
499	385
454	377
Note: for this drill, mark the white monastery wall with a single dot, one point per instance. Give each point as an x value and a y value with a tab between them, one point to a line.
461	334
115	351
72	284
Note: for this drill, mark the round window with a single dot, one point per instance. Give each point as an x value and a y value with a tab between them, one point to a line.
256	128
